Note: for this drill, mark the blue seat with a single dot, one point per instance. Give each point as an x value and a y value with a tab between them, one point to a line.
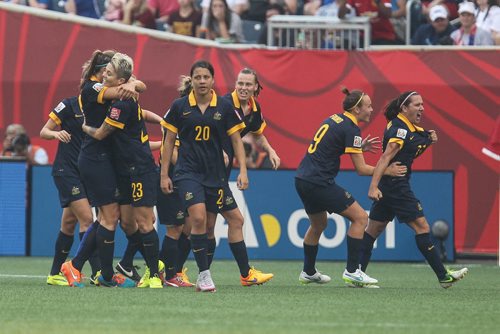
252	31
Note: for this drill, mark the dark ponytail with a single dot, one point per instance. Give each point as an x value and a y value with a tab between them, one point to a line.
394	106
98	60
352	99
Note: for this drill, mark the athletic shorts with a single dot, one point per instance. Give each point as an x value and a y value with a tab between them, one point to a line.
98	177
193	192
228	202
397	200
170	208
70	189
316	198
142	190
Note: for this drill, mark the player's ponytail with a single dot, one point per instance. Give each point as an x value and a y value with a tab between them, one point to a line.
98	60
352	99
393	108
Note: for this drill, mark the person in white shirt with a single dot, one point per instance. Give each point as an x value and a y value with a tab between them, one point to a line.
469	33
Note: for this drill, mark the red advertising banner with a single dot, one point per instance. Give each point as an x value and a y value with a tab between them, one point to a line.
41	59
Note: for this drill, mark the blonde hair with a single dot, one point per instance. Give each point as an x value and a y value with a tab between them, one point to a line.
123	65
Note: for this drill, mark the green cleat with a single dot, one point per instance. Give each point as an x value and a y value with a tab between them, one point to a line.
58	279
145	281
155	282
453	276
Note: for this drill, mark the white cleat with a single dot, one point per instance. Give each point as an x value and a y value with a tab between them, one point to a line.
318	278
453	276
358	279
204	283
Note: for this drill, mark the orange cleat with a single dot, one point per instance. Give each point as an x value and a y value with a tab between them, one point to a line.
73	276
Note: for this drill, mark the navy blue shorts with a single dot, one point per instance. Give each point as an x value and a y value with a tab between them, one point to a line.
193	192
70	189
398	201
170	208
316	198
228	202
98	177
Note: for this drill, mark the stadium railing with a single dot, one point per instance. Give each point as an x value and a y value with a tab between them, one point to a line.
315	32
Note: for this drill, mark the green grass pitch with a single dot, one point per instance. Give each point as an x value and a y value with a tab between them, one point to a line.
410	300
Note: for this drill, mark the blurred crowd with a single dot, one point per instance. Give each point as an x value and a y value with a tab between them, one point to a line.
433	22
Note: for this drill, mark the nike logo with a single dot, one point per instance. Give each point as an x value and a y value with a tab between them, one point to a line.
186	113
411	138
64	252
251	280
430	248
197	250
109	242
355	277
127	272
137	199
73	274
78	116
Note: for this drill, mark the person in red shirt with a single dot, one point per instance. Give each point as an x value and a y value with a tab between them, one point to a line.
379	11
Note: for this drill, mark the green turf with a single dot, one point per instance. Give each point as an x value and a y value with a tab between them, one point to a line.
410	301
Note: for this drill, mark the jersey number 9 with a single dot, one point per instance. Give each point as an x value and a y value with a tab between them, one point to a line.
317	138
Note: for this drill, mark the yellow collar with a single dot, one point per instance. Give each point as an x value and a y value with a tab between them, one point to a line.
192	99
410	125
237	104
351	117
94	78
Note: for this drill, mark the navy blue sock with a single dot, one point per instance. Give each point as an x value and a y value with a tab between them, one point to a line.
62	248
106	247
168	254
310	253
199	246
353	250
95	263
184	247
151	249
366	251
429	251
87	246
211	244
133	245
239	250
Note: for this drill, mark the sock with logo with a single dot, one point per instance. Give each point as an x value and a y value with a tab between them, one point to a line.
239	250
184	246
353	250
211	244
95	263
133	244
168	254
151	243
366	251
87	247
106	246
429	251
310	253
62	248
199	247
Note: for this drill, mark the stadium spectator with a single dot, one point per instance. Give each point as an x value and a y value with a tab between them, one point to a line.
86	8
34	154
42	4
11	131
222	24
312	7
315	183
469	33
437	32
113	10
185	21
379	12
488	18
161	10
137	13
450	5
237	6
404	141
275	9
349	38
398	18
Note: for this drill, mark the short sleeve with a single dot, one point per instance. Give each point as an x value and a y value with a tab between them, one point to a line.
117	115
353	141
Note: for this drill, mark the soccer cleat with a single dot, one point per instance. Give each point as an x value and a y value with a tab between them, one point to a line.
255	277
204	283
318	278
73	276
57	279
453	276
173	282
128	272
93	278
155	282
144	282
118	280
181	283
357	278
184	278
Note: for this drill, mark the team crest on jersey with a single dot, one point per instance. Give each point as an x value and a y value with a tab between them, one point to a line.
115	113
59	107
357	141
97	87
180	215
401	133
217	116
75	191
189	196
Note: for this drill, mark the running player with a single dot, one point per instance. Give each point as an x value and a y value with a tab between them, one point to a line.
138	178
68	118
201	120
315	184
404	141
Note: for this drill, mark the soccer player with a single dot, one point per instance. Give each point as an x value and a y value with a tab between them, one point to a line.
67	116
97	173
404	141
201	120
315	184
138	179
